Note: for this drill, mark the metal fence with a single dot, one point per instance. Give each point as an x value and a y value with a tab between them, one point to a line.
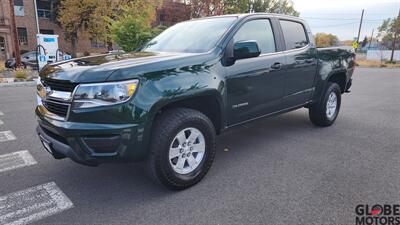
383	55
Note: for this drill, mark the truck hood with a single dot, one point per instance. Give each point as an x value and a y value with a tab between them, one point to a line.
113	67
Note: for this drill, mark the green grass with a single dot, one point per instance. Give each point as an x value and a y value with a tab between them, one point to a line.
21	74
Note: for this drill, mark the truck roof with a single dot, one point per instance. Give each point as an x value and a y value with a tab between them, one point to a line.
242	15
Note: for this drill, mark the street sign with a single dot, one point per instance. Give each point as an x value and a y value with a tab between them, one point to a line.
355	45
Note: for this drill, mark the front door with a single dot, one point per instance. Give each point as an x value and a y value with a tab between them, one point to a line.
255	86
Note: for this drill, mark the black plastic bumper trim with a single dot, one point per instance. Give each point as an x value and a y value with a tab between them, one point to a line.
60	150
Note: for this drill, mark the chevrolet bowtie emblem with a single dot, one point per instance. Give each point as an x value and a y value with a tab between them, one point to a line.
47	90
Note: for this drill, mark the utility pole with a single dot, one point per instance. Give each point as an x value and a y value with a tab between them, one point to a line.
15	35
370	40
359	29
396	32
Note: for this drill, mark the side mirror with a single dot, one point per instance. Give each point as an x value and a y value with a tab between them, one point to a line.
246	49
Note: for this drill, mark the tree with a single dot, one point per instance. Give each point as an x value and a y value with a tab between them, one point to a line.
88	17
386	31
326	40
275	6
237	6
364	42
347	42
200	8
132	27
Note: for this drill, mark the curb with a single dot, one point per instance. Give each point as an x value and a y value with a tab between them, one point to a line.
376	67
18	84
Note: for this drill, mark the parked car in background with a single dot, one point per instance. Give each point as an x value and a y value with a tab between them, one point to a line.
166	103
27	60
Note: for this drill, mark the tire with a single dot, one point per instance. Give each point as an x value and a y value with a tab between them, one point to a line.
319	113
167	136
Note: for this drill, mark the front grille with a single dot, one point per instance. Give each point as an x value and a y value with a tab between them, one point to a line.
59	85
58	108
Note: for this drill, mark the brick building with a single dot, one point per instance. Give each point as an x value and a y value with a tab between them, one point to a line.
171	12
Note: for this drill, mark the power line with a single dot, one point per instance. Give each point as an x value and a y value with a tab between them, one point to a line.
335	25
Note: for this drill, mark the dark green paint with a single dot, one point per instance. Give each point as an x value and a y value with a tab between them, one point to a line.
245	89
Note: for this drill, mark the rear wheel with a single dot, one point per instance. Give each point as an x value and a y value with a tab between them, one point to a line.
182	148
325	112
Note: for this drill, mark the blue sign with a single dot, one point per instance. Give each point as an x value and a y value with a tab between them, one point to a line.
49	39
42	58
67	57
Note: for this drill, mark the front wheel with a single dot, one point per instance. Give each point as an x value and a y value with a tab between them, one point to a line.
325	112
182	148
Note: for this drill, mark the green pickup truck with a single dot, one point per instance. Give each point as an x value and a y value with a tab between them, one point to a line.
165	103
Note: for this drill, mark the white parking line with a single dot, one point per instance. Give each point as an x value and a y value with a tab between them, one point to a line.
7	136
33	204
1	113
16	160
1	122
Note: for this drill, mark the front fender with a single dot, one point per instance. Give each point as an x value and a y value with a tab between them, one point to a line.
168	87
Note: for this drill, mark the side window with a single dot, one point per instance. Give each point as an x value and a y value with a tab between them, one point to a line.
260	31
294	34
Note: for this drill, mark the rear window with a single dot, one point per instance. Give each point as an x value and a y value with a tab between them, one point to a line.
294	34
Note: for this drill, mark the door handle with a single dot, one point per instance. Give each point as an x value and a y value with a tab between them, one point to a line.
276	66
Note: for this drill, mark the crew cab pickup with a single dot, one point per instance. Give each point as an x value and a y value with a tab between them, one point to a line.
165	103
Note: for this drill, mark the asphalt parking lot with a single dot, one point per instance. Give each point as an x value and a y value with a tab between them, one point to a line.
281	170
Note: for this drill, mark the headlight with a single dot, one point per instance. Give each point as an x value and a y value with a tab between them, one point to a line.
103	94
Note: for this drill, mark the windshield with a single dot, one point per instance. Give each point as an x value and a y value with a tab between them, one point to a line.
194	36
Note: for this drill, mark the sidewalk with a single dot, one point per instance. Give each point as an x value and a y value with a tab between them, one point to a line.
7	78
18	84
7	74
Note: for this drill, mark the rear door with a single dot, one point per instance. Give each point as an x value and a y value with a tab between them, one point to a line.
255	86
301	62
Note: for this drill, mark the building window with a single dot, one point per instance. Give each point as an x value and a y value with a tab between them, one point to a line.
45	31
97	44
44	9
44	13
19	8
22	36
2	44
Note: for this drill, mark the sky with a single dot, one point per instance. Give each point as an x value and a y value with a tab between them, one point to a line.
342	17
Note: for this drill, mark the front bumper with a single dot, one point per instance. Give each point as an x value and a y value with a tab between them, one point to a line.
348	85
90	144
